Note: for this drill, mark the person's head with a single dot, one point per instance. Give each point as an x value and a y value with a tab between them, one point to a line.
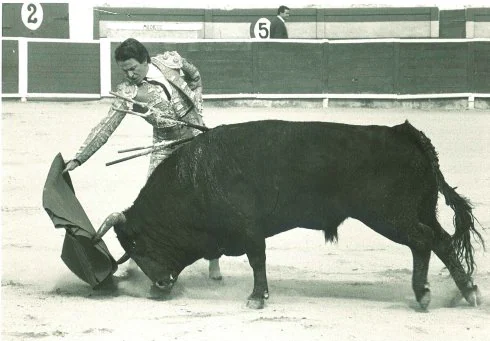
133	58
283	12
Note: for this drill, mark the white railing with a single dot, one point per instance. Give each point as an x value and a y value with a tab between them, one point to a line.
105	71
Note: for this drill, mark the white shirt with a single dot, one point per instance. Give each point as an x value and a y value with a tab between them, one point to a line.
154	74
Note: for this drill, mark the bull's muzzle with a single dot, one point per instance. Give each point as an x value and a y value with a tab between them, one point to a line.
166	285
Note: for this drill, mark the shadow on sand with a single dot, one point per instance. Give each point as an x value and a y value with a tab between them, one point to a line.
197	286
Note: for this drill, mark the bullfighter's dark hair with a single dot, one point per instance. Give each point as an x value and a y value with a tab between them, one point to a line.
282	9
131	48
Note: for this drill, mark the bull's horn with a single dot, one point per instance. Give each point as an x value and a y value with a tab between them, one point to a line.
110	221
123	259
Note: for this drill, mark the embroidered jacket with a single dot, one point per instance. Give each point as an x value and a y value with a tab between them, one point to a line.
185	103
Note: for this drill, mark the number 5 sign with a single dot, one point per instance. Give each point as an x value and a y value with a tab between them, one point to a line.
32	15
260	29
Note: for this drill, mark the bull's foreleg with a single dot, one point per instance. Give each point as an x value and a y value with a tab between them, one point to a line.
420	285
256	258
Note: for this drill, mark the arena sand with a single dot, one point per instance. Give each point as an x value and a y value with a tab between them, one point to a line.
357	289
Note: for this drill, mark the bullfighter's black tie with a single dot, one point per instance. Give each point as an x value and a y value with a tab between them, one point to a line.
161	85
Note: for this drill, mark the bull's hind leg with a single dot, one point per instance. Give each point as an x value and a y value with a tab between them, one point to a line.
417	237
444	249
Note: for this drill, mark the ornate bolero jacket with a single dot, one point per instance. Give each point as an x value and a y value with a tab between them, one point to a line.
185	104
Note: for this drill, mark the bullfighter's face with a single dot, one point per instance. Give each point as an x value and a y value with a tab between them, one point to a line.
135	71
285	14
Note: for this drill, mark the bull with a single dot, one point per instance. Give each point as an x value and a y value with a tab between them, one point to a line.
230	188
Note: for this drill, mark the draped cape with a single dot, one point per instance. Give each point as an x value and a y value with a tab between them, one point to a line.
90	261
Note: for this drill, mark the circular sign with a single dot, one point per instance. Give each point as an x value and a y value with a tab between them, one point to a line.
261	29
32	15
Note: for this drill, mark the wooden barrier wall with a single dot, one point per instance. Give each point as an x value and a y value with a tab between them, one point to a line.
74	68
479	67
304	23
10	66
289	68
477	22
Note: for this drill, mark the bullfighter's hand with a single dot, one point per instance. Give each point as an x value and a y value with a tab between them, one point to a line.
71	165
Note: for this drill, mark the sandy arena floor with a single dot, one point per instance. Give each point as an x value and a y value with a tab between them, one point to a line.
358	289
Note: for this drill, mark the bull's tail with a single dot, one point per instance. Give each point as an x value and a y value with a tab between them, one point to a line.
464	221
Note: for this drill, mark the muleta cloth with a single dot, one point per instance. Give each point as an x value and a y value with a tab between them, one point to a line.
90	261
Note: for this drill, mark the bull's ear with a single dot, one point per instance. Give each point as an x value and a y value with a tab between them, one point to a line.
109	222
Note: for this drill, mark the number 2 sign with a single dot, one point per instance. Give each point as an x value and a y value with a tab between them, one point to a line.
32	15
260	29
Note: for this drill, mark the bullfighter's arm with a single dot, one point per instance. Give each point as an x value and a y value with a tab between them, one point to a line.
101	133
191	76
193	79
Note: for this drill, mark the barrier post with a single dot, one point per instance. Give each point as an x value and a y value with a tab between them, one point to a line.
23	69
105	67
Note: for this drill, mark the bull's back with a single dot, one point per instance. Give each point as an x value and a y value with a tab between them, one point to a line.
287	174
300	150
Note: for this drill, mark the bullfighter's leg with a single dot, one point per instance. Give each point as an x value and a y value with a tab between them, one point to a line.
444	249
256	258
420	285
214	270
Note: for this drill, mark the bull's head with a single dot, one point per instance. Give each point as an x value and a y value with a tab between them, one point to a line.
136	246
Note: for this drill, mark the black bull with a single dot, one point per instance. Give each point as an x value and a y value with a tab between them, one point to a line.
232	187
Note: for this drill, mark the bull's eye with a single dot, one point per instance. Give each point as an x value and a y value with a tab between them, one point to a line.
160	284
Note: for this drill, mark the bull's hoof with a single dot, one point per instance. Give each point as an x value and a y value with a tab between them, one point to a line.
424	301
255	303
422	294
473	296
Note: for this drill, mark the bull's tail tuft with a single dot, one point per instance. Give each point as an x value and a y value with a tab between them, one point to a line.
463	221
464	224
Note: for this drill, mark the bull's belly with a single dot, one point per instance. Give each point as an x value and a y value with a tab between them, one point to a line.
234	252
237	246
